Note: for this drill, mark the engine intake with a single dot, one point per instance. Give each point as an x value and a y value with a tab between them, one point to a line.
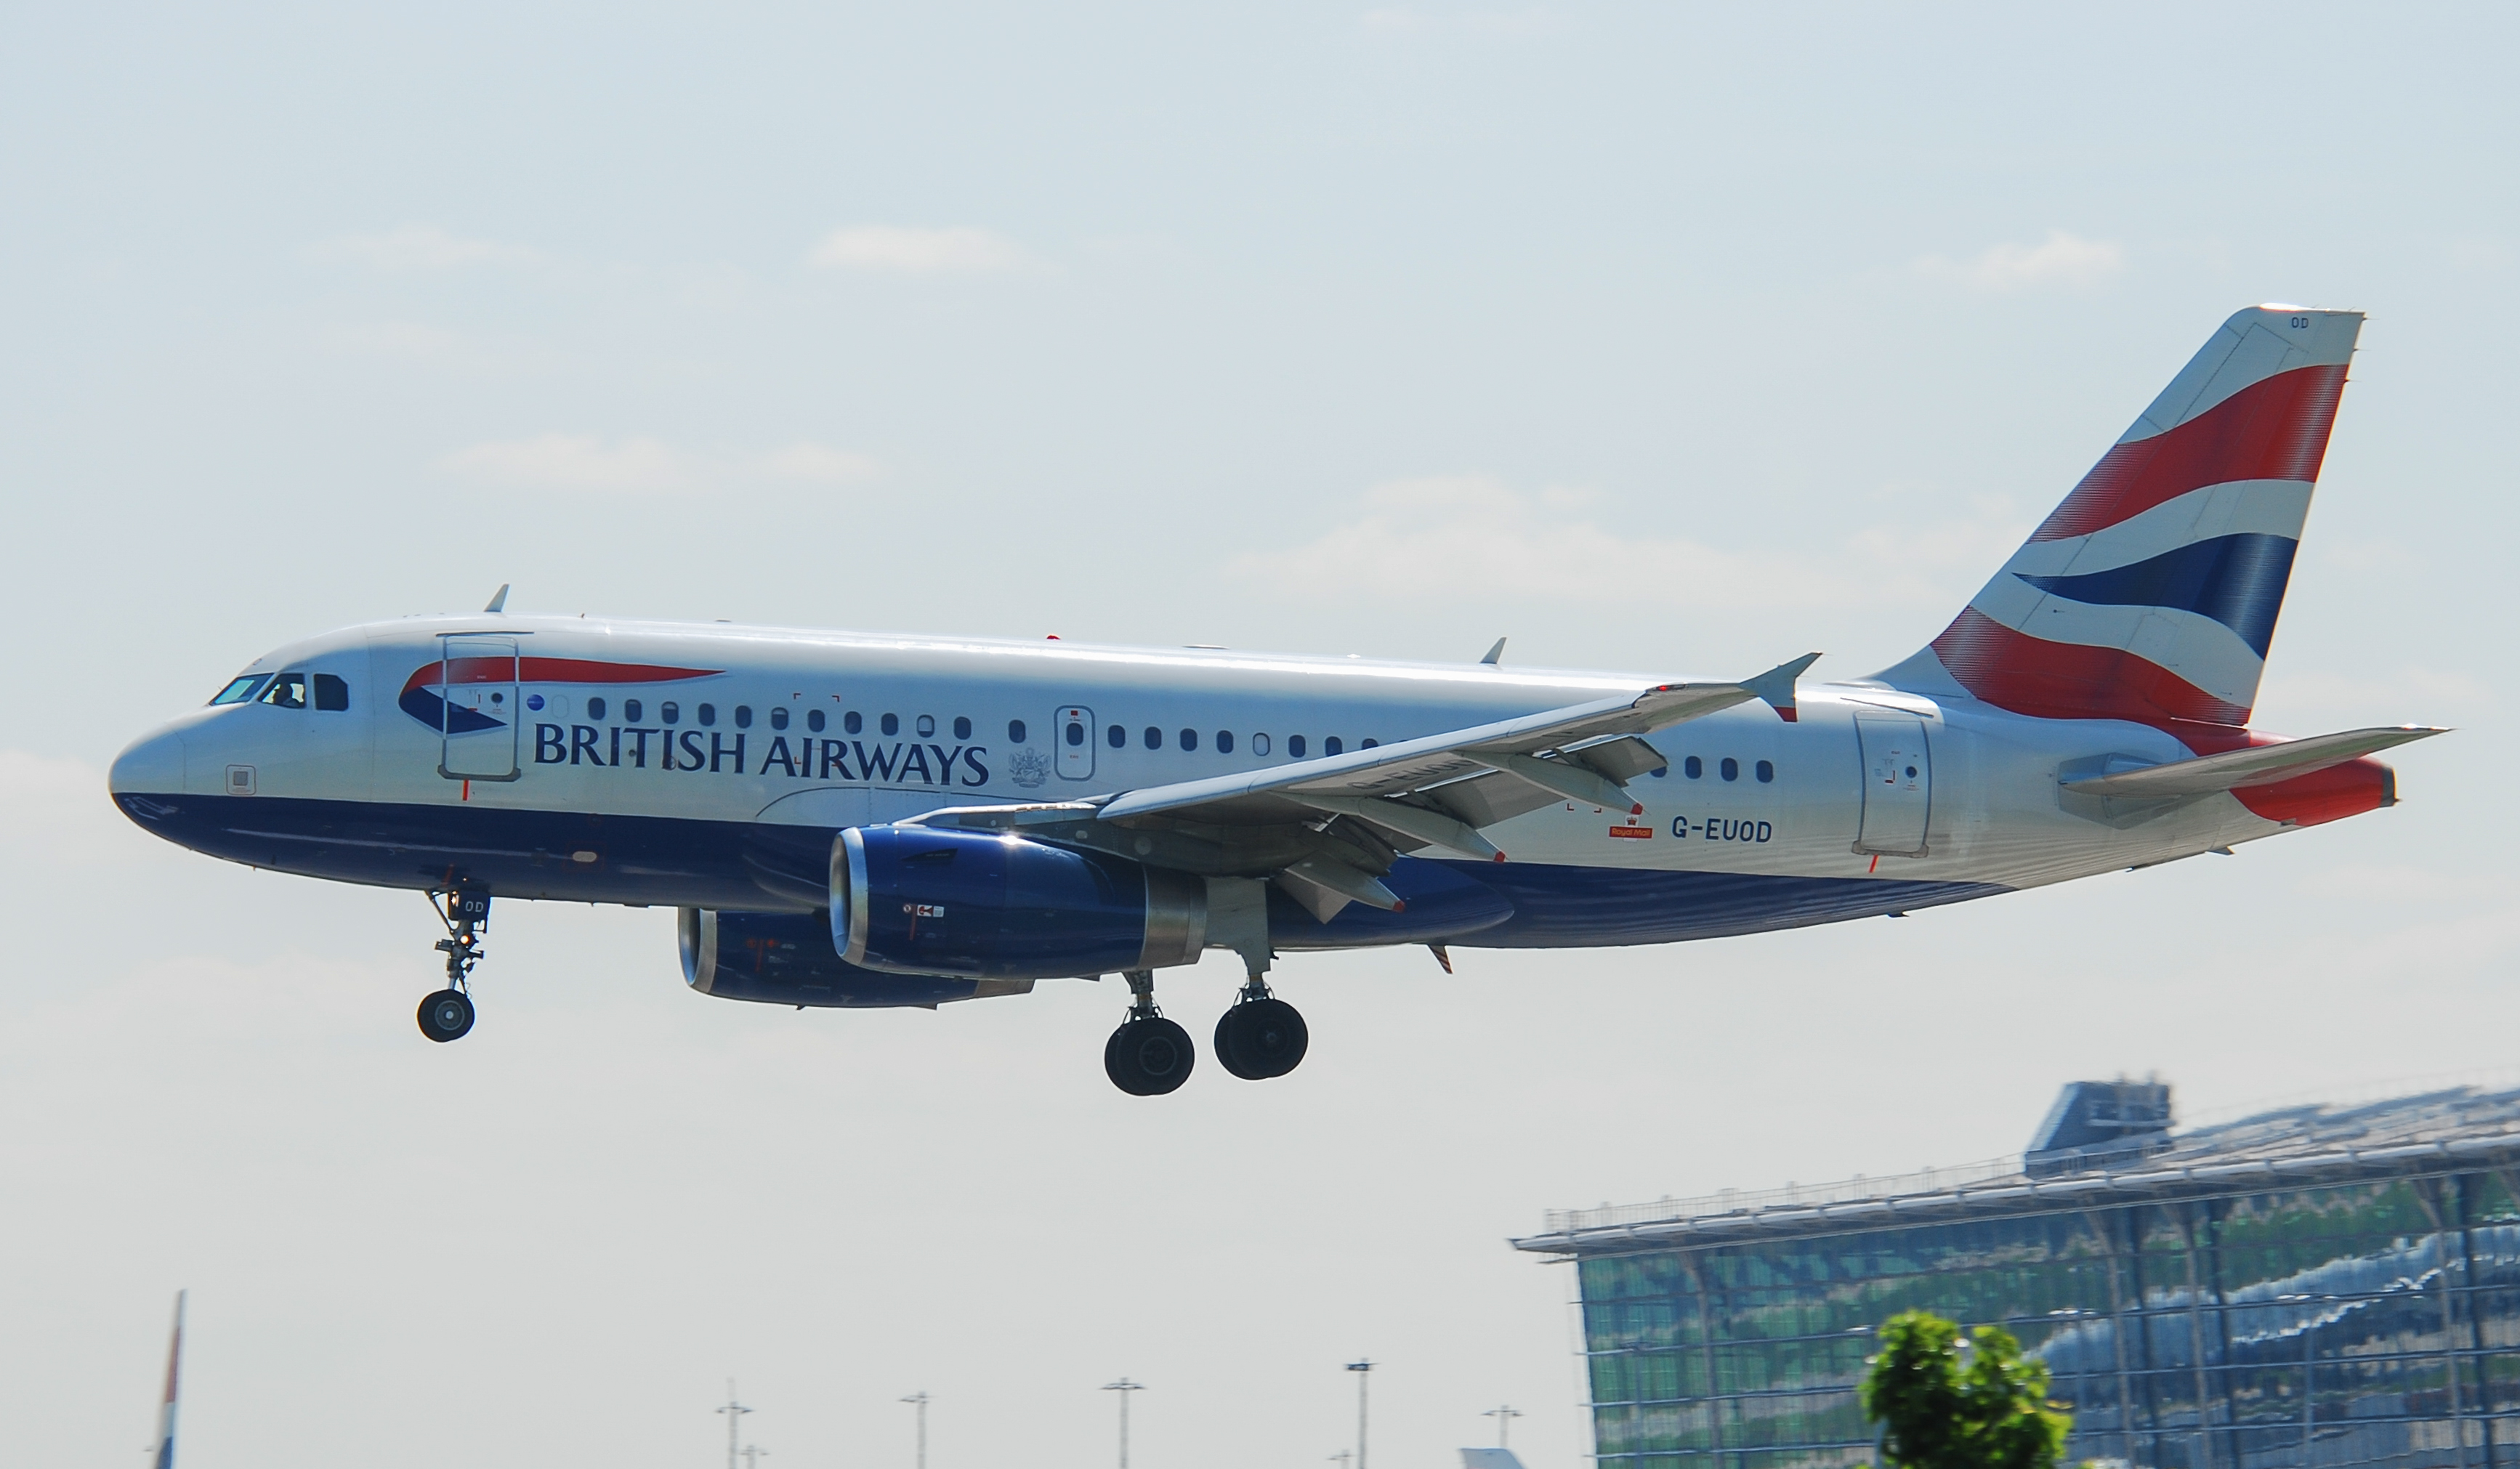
921	900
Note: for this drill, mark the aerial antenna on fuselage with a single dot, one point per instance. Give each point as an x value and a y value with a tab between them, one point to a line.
1496	654
499	601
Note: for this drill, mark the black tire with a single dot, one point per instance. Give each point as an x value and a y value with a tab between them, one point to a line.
446	1015
1228	1054
1148	1057
1265	1038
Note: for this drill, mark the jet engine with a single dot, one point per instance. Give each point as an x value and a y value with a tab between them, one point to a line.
934	901
788	958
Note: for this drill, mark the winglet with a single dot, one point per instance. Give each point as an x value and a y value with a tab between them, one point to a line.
1496	654
498	600
1776	685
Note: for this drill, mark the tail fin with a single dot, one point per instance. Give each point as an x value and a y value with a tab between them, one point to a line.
2151	593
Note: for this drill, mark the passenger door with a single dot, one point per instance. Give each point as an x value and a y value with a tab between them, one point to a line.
1898	784
1076	738
480	717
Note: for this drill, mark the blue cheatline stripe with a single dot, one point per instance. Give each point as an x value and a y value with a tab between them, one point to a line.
2238	581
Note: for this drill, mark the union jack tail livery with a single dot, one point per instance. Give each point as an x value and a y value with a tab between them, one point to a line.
2150	594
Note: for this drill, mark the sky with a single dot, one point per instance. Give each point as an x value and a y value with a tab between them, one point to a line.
1664	338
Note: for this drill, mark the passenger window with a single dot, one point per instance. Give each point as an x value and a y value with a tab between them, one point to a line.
670	712
240	690
814	720
1189	739
743	716
631	709
1693	767
1154	737
849	722
1014	731
1332	746
595	707
778	716
1767	770
286	691
1225	742
709	714
926	726
1075	733
962	727
1117	737
891	725
1259	744
1368	744
332	693
1295	747
1731	768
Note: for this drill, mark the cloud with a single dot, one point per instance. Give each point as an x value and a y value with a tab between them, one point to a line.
1465	538
919	251
643	465
421	246
2061	259
576	462
821	462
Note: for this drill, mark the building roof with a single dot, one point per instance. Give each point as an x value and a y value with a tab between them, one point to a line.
2445	1129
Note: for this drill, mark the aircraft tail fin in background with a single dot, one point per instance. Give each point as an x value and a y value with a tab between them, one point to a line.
166	1451
2151	593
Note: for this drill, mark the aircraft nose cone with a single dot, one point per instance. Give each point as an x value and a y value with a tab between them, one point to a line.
152	765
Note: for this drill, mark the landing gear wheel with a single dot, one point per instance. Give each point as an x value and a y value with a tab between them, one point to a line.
1260	1039
446	1015
1149	1056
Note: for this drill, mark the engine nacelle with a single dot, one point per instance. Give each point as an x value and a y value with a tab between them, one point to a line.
922	900
788	958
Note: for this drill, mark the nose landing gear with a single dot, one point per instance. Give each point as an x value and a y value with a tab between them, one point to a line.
465	910
1147	1055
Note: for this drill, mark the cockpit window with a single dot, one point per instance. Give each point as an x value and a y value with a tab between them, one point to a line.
332	691
240	690
286	691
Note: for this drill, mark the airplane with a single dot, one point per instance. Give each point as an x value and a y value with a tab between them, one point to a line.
849	820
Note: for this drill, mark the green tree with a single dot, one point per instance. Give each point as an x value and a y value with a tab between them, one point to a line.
1943	1405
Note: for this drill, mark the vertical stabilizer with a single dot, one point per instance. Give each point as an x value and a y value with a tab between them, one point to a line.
174	1388
2151	593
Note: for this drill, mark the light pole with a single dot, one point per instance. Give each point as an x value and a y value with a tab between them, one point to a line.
1124	1387
735	1411
919	1398
1505	1415
1362	1368
753	1451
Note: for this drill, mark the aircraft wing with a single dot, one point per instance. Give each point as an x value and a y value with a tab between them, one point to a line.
2258	765
1329	827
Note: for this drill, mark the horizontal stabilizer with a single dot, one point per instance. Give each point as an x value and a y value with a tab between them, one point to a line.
2259	765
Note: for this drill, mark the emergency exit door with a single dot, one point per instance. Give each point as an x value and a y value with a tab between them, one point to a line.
1898	784
479	718
1075	731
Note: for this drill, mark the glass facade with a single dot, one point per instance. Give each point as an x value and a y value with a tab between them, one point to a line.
2374	1320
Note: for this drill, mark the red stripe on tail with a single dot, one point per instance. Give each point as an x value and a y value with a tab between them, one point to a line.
2274	429
2070	679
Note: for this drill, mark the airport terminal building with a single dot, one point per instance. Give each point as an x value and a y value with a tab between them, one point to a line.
2322	1285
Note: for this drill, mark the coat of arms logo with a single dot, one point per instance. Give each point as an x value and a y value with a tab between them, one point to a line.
1028	769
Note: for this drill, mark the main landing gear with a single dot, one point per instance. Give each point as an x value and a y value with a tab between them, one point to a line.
1262	1036
465	910
1148	1055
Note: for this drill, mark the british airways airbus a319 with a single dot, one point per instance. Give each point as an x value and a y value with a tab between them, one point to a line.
847	819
